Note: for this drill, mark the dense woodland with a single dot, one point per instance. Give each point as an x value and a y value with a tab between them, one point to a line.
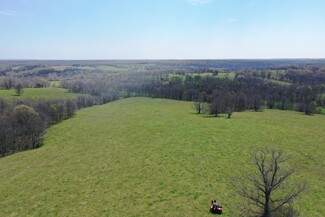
215	87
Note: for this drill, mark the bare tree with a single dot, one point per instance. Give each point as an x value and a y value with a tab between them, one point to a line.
229	111
257	101
199	107
8	82
229	103
267	191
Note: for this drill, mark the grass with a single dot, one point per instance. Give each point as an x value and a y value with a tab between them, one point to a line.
38	93
61	68
280	82
321	110
109	68
153	157
55	83
230	75
204	74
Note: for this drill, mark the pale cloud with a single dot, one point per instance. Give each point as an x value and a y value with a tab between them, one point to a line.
199	2
8	13
232	20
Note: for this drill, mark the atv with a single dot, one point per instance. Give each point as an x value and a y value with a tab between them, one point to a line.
216	209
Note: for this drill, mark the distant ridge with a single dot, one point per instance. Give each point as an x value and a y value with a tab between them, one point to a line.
231	64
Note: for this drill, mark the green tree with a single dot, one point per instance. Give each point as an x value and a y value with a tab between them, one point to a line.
19	89
28	127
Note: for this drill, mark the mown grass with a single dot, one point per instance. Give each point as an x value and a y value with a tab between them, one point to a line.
321	110
109	68
55	83
153	157
39	93
61	68
230	75
280	82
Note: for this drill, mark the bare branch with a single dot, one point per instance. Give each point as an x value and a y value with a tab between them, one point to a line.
271	177
289	197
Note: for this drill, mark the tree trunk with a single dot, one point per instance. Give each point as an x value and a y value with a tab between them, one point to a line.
266	212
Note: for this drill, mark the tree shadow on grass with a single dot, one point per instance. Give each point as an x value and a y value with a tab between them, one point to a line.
210	116
214	116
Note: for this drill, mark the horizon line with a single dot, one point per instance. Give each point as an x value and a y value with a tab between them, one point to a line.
165	59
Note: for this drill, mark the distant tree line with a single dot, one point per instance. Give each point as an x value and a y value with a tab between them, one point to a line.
226	95
10	82
302	75
97	90
248	90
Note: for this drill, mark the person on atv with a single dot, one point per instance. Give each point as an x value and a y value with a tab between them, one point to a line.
214	203
215	207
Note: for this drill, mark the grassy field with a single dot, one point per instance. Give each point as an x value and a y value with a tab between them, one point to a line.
230	75
38	93
108	68
280	82
61	68
153	157
321	110
55	83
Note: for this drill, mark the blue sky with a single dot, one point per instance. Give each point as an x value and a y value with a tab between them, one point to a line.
161	29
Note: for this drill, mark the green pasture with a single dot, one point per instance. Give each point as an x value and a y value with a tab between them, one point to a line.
155	157
61	68
204	74
38	93
230	75
321	110
280	82
55	83
109	68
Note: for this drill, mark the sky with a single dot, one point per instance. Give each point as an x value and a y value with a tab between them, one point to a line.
162	29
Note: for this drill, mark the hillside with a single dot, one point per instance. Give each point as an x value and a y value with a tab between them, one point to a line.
153	157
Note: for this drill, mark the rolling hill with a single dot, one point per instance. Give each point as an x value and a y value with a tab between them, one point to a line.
155	157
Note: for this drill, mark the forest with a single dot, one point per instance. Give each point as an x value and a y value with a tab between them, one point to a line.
214	86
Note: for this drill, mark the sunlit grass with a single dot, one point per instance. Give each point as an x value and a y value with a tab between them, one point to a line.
108	68
280	82
230	75
38	93
61	68
153	157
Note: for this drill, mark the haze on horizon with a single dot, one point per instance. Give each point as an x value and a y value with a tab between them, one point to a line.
162	29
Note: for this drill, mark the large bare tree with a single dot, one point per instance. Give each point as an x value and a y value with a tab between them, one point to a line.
267	189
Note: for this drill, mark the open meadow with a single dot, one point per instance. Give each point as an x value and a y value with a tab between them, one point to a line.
156	157
39	93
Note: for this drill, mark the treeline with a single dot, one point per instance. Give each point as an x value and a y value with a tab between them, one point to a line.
23	123
238	94
98	89
10	82
252	89
302	75
223	95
